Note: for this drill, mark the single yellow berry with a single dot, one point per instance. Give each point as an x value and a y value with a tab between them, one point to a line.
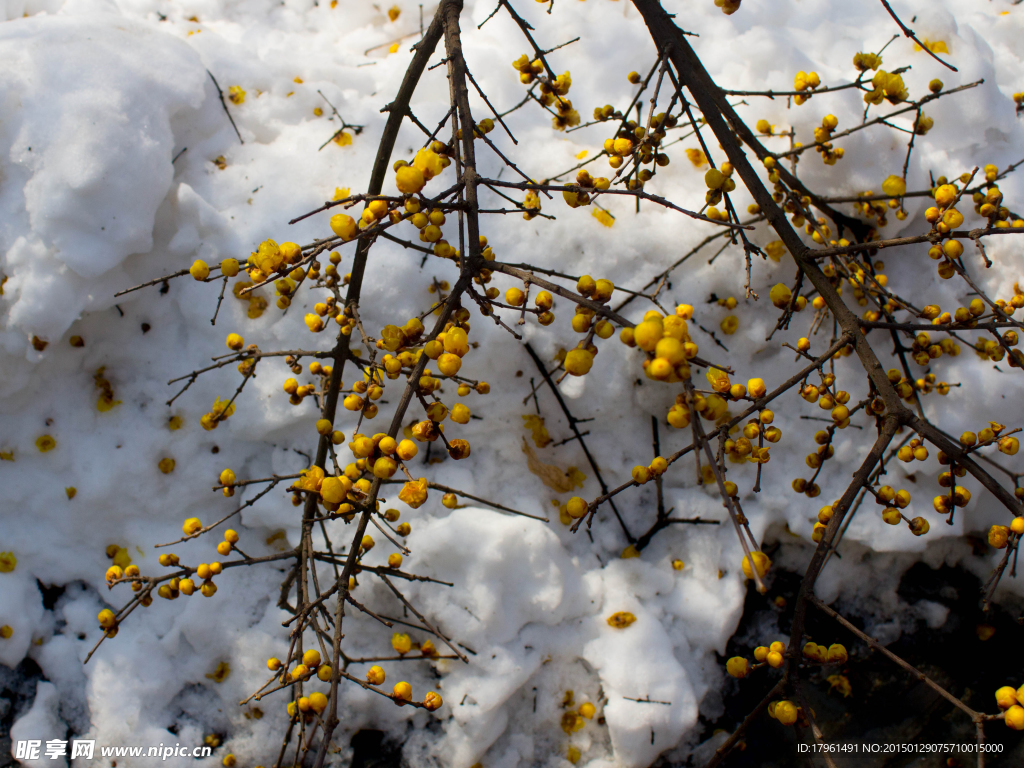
786	712
837	654
998	536
1015	718
317	702
780	295
761	562
311	658
578	362
577	507
344	226
945	195
409	179
894	186
738	667
402	692
1006	697
401	642
199	270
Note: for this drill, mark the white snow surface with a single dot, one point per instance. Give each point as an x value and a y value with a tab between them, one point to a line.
98	97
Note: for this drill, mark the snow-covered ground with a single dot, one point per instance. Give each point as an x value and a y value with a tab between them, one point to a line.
99	96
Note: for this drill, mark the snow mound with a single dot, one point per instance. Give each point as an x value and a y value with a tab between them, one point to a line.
85	151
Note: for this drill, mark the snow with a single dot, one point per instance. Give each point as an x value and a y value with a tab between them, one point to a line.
40	719
99	97
82	124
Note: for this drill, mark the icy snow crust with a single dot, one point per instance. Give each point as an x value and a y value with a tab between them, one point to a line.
98	97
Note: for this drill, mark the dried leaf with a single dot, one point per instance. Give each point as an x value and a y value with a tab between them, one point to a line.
936	46
220	674
841	684
549	474
697	157
572	722
540	433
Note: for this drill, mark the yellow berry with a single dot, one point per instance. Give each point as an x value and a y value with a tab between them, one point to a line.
402	691
1015	718
780	295
199	270
786	712
317	702
738	667
409	179
406	450
401	642
344	226
837	654
577	507
945	195
761	562
998	536
1006	697
578	362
